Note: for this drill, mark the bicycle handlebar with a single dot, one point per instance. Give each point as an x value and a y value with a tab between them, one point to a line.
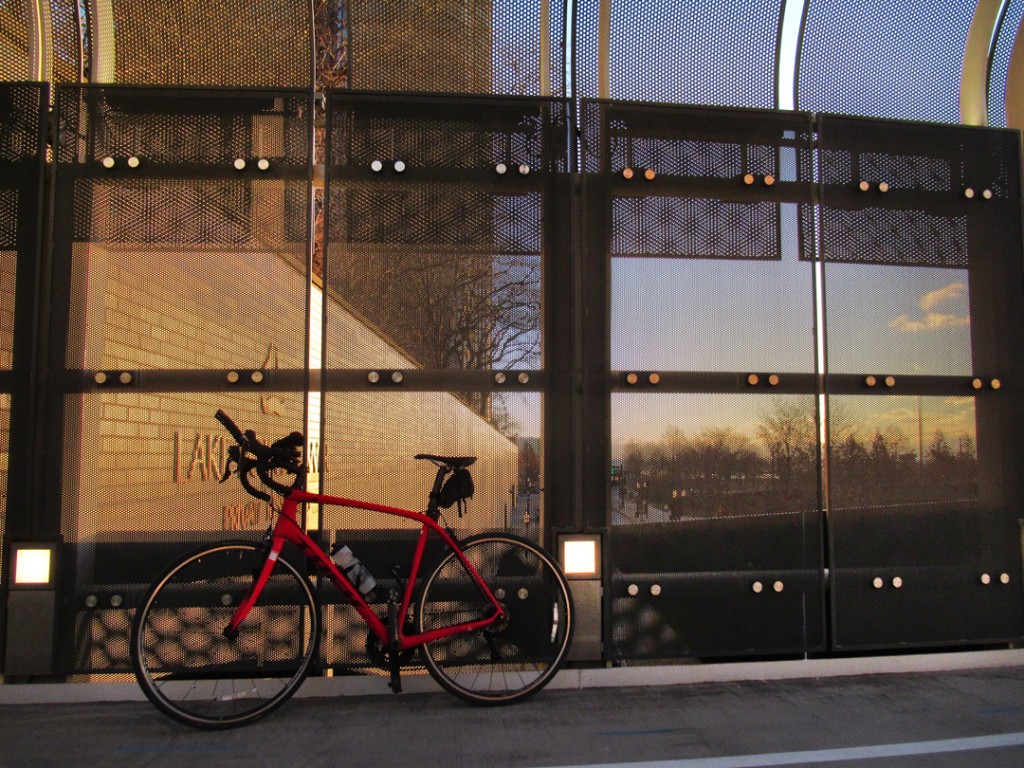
251	454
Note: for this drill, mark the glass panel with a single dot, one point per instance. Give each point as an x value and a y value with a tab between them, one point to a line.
898	320
686	456
371	438
892	451
701	315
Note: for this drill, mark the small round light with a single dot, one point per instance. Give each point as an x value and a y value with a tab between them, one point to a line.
501	169
1004	578
376	166
773	380
256	376
100	377
987	194
399	166
523	593
108	162
977	383
890	381
870	381
263	164
996	384
864	185
524	170
969	193
133	162
632	378
373	377
116	601
655	589
239	164
757	587
649	174
883	187
877	583
125	377
397	377
627	173
654	379
986	579
753	379
748	179
233	377
499	593
91	601
897	582
633	590
500	378
769	180
778	586
523	378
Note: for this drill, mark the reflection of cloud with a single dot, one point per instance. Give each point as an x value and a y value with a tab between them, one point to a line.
933	320
934	298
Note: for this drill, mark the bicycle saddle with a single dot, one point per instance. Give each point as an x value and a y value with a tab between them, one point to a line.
455	462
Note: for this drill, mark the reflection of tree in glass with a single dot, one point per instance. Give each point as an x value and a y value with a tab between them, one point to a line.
462	311
720	472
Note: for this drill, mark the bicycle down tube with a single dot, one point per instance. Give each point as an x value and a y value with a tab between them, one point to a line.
287	530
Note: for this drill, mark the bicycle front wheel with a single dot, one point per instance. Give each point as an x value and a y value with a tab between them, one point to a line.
190	670
515	657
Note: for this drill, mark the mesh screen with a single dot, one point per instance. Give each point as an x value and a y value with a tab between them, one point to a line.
883	58
456	46
183	268
896	261
727	485
439	265
208	42
708	273
722	54
14	43
999	61
889	452
66	40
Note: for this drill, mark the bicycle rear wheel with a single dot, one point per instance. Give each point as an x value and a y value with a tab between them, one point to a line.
190	670
516	657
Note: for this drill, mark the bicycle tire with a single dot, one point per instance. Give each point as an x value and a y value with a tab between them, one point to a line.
190	670
516	658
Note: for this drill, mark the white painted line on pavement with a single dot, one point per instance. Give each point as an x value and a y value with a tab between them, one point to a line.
997	741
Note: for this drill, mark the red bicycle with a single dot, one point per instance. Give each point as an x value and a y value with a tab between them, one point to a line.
229	632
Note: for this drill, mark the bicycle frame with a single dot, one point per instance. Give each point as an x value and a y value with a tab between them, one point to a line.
287	530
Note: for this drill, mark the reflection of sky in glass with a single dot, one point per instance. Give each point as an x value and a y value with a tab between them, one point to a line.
715	314
892	320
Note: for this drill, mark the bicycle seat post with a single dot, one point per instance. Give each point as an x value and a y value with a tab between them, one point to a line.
433	507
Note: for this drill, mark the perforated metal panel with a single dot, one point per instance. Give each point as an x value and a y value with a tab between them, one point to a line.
203	42
181	277
14	43
442	217
712	445
884	58
456	46
721	54
921	244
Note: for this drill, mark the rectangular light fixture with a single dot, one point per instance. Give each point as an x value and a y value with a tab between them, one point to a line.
581	555
33	564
